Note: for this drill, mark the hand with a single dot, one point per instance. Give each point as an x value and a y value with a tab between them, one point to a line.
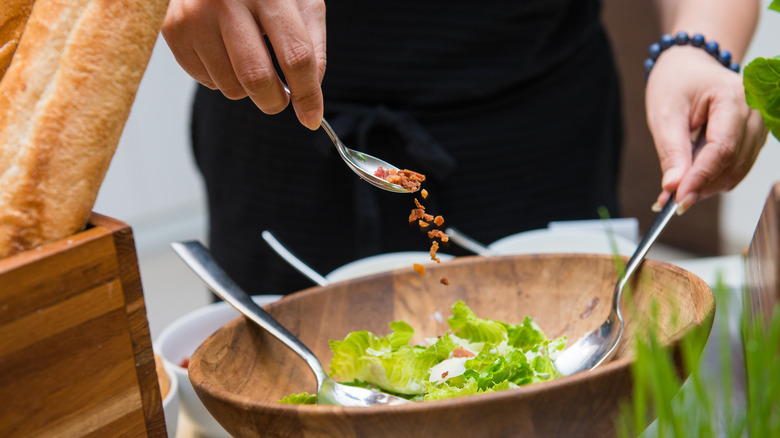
688	92
220	44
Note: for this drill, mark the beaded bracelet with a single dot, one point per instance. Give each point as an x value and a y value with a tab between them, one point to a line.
697	40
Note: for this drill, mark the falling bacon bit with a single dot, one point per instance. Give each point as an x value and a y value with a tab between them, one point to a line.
419	268
428	217
440	234
434	249
424	193
462	352
444	374
444	281
418	205
417	213
423	224
438	220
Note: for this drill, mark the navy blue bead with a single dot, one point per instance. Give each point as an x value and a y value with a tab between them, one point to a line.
649	63
711	48
681	38
666	41
734	67
654	50
697	40
724	57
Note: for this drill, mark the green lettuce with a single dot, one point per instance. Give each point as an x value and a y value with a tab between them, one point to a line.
509	355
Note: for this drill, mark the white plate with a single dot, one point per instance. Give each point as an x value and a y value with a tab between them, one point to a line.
180	339
382	263
561	241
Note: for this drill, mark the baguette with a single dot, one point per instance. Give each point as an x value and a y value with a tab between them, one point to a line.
64	101
13	17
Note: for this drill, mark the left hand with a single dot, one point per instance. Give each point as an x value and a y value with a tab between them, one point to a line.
687	91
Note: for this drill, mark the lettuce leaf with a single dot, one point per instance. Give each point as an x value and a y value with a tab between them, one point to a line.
303	398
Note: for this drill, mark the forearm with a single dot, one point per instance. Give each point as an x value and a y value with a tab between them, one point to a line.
729	22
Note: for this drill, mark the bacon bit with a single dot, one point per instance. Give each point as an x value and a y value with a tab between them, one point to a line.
424	193
417	213
438	221
440	234
185	362
428	217
444	374
407	179
444	281
434	249
462	352
423	224
419	268
417	203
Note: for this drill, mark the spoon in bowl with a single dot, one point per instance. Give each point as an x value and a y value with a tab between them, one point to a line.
329	392
596	347
364	165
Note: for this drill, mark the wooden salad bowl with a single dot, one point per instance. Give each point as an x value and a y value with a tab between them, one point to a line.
241	372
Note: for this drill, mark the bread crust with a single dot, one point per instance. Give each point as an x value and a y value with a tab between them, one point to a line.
13	17
64	101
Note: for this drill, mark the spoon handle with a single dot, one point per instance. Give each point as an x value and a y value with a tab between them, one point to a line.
294	261
644	246
200	260
468	243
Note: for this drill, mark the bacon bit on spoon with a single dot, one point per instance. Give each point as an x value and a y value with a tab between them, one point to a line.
407	179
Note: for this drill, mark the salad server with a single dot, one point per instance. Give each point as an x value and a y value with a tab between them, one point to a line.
362	164
294	261
329	392
596	347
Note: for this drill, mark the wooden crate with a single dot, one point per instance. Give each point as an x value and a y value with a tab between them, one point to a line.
76	354
762	265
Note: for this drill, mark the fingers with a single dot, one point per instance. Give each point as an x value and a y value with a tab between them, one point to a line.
220	44
299	51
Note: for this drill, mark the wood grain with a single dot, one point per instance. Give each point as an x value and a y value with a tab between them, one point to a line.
75	349
762	265
241	372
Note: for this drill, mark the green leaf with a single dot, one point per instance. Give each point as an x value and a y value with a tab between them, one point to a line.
303	398
775	6
469	327
762	90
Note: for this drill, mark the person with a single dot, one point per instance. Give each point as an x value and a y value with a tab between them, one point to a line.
511	110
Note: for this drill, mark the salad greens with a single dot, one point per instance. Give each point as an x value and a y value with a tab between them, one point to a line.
475	356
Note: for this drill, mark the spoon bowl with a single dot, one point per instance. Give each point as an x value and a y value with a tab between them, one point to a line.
329	392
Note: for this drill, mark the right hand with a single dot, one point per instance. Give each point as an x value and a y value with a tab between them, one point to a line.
220	44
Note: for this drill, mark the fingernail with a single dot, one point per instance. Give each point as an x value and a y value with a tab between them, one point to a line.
686	204
312	119
671	176
657	207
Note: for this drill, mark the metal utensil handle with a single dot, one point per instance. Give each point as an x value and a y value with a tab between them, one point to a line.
294	261
468	243
644	246
199	259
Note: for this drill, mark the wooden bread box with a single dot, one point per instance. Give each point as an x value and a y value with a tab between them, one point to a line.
76	353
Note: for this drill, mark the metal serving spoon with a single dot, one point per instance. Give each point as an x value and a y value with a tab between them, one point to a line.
468	243
596	347
329	392
363	164
294	261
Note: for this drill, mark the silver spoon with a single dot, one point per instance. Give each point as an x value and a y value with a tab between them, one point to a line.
468	243
329	392
294	261
363	164
596	347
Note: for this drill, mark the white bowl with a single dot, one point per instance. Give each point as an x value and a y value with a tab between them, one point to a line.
562	241
171	403
179	340
382	263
